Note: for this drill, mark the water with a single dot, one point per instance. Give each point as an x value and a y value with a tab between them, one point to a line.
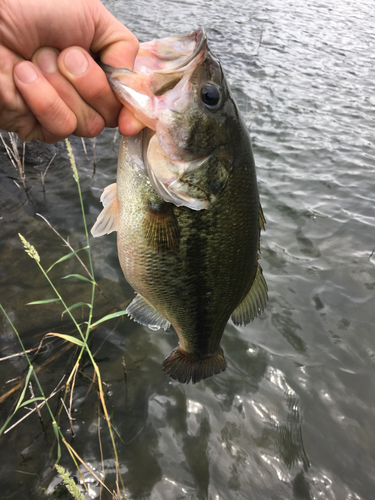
292	416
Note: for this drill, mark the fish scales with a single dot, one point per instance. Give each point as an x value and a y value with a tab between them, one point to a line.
193	265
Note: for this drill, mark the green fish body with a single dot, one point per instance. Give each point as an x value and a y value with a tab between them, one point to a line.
188	235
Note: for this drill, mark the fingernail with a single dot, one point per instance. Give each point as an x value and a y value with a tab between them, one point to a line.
75	62
25	72
46	60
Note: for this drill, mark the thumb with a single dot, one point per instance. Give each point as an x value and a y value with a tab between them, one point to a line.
116	44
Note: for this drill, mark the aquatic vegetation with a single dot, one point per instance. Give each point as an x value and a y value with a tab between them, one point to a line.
17	161
39	399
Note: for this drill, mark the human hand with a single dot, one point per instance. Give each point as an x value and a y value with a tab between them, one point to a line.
50	86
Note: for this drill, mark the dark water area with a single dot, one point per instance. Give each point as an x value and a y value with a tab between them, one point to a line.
293	415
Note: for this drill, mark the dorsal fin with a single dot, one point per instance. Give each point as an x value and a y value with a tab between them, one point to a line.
254	302
184	367
144	313
107	221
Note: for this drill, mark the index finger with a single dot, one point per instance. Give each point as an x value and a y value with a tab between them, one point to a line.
116	45
89	80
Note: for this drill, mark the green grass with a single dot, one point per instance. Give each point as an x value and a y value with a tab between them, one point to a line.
80	339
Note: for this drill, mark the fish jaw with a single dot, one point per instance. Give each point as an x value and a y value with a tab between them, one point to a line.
165	175
139	102
170	53
166	83
159	66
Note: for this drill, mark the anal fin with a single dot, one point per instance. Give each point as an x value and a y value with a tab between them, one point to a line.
141	311
254	302
107	220
185	367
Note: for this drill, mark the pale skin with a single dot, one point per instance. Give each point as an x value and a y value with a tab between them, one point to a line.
50	85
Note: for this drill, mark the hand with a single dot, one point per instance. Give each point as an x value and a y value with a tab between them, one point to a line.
50	86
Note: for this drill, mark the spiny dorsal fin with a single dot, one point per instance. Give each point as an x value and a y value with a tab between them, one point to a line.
184	367
161	227
254	302
107	220
144	313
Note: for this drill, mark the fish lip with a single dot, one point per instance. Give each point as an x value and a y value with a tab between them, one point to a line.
140	90
201	41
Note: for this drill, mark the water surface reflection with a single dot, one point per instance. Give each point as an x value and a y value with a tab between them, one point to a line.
292	416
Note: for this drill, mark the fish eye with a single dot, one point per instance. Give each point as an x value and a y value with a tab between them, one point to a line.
211	96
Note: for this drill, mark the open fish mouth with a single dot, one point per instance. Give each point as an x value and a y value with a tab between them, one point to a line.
159	66
168	55
167	60
159	92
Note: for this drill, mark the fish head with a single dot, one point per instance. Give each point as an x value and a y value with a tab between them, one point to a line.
179	91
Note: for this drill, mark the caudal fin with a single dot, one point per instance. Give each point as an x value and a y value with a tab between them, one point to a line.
184	367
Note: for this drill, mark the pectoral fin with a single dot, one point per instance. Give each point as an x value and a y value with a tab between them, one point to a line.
144	313
107	221
254	302
161	227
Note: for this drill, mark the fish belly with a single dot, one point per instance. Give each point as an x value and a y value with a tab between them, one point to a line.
199	277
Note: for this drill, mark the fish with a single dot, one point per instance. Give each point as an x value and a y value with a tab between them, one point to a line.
185	204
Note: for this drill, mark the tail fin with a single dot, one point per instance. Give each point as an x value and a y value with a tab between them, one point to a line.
184	367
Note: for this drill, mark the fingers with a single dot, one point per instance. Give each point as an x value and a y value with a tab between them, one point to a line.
117	45
89	80
128	124
14	111
57	94
56	121
67	93
78	67
89	122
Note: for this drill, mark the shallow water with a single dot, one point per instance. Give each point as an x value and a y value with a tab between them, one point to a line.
292	416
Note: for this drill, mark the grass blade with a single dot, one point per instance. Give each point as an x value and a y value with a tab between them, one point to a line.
78	304
57	434
30	371
38	398
78	276
68	338
108	317
46	301
20	400
65	257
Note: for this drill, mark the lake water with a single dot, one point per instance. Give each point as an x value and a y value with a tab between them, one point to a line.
293	415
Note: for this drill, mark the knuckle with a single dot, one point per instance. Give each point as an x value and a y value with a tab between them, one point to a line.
133	40
11	100
91	126
61	121
99	91
27	134
112	120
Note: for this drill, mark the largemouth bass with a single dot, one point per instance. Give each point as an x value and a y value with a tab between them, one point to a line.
186	207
